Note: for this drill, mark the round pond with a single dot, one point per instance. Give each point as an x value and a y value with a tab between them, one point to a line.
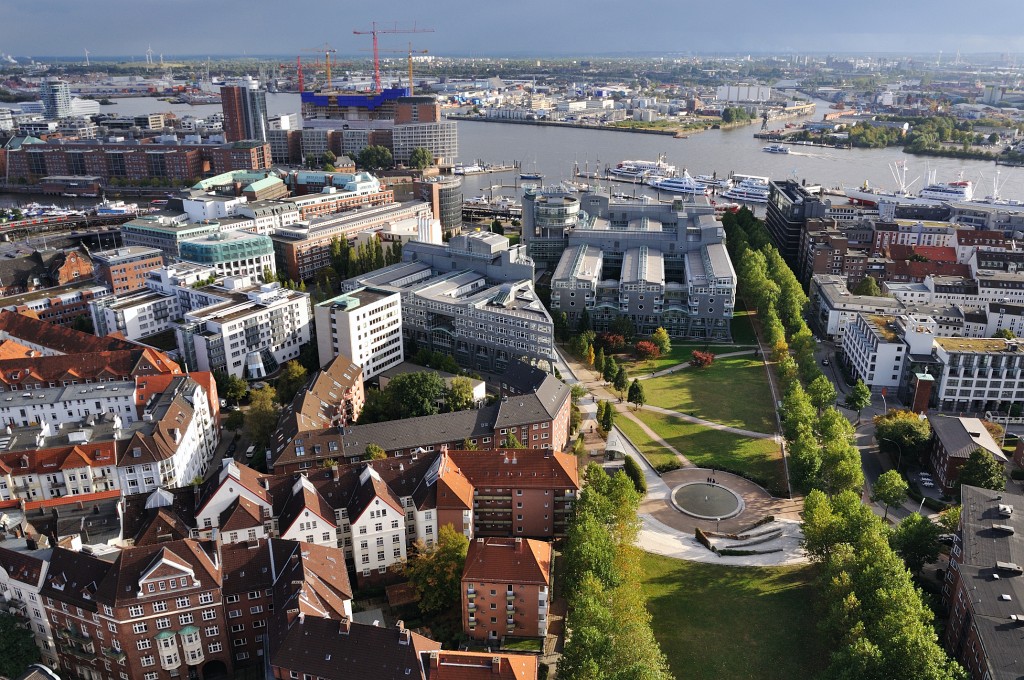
707	501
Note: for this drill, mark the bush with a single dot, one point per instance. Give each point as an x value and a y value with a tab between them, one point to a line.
667	467
635	474
645	349
702	359
1017	474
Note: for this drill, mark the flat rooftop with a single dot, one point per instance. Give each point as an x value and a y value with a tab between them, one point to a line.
976	345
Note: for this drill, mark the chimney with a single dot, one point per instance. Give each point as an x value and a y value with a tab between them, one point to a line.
404	636
496	665
434	660
519	545
302	617
344	626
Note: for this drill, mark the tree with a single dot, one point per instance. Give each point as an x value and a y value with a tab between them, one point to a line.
610	368
231	388
599	360
590	355
17	647
292	378
822	393
1004	333
329	157
621	383
375	452
436	571
702	359
867	286
421	158
497	228
583	323
636	394
261	418
890	489
660	338
512	442
623	325
468	445
859	398
916	541
608	418
577	392
459	395
983	470
645	349
375	157
950	518
910	433
235	421
635	474
415	394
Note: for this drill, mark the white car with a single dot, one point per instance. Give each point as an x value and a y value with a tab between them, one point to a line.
927	483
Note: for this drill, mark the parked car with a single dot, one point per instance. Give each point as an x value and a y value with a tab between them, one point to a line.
249	451
946	539
232	447
927	483
824	362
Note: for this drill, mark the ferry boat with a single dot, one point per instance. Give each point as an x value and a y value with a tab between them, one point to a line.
117	208
775	148
750	189
639	170
679	185
713	181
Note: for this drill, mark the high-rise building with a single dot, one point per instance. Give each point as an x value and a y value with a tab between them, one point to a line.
56	96
245	110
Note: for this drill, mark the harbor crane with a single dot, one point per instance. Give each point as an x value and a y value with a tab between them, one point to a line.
409	52
376	30
327	51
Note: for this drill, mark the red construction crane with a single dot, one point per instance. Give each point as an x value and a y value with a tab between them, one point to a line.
375	31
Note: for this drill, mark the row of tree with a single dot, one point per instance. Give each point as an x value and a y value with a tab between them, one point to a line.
348	261
878	621
609	632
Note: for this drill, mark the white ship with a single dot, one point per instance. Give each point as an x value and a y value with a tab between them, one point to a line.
934	193
748	189
713	181
640	170
679	185
775	148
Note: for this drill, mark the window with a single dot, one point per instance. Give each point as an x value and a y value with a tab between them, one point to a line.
231	599
135	610
234	613
144	643
254	594
186	619
255	610
212	631
159	607
139	628
215	647
237	627
163	624
205	598
147	661
181	602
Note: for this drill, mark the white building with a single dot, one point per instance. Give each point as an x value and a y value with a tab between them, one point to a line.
365	325
22	573
69	403
833	308
249	333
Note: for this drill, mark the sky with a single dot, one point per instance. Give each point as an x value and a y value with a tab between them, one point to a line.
509	27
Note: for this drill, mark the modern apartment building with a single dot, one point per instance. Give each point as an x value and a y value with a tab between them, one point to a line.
56	97
364	324
790	205
506	588
245	110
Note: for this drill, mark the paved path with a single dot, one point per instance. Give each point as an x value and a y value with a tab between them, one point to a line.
710	424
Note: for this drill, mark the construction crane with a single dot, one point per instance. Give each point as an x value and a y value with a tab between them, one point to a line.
375	30
410	52
327	51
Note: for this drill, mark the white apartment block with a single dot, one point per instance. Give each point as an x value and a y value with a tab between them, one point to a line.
979	374
441	138
874	351
833	308
249	333
56	406
365	325
269	216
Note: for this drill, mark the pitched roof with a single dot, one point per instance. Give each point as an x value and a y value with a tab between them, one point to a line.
21	566
960	436
241	514
121	586
304	497
164	525
333	649
247	565
74	577
508	560
28	330
20	368
459	665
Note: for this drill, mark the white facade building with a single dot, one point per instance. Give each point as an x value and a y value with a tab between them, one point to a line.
22	573
365	325
70	403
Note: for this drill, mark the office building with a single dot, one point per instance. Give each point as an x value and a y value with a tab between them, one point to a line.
231	253
444	194
245	110
56	97
790	205
365	325
124	270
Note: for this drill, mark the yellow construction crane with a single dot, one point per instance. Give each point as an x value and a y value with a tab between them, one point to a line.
327	51
409	52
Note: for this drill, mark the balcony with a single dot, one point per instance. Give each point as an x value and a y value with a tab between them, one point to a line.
509	597
113	653
472	606
70	634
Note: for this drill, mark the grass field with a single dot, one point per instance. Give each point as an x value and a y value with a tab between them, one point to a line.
681	354
718	622
742	330
757	459
732	391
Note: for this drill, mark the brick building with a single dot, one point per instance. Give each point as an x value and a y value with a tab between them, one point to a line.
44	269
953	441
505	588
124	269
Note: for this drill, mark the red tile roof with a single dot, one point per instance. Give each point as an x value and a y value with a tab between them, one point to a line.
528	468
508	560
58	338
453	665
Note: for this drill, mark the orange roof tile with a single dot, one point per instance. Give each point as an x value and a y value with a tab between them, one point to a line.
453	665
508	560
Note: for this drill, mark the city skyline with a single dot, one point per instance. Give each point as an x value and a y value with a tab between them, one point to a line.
532	28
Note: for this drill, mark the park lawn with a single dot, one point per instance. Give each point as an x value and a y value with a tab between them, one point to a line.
733	391
716	622
681	354
742	329
655	454
760	460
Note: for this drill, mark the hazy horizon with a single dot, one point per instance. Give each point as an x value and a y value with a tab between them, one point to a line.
531	28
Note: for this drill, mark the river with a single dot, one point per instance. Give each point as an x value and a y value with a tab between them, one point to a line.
553	151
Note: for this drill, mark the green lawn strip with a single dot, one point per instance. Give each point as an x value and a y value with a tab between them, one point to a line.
760	460
733	391
656	454
742	330
681	354
716	622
